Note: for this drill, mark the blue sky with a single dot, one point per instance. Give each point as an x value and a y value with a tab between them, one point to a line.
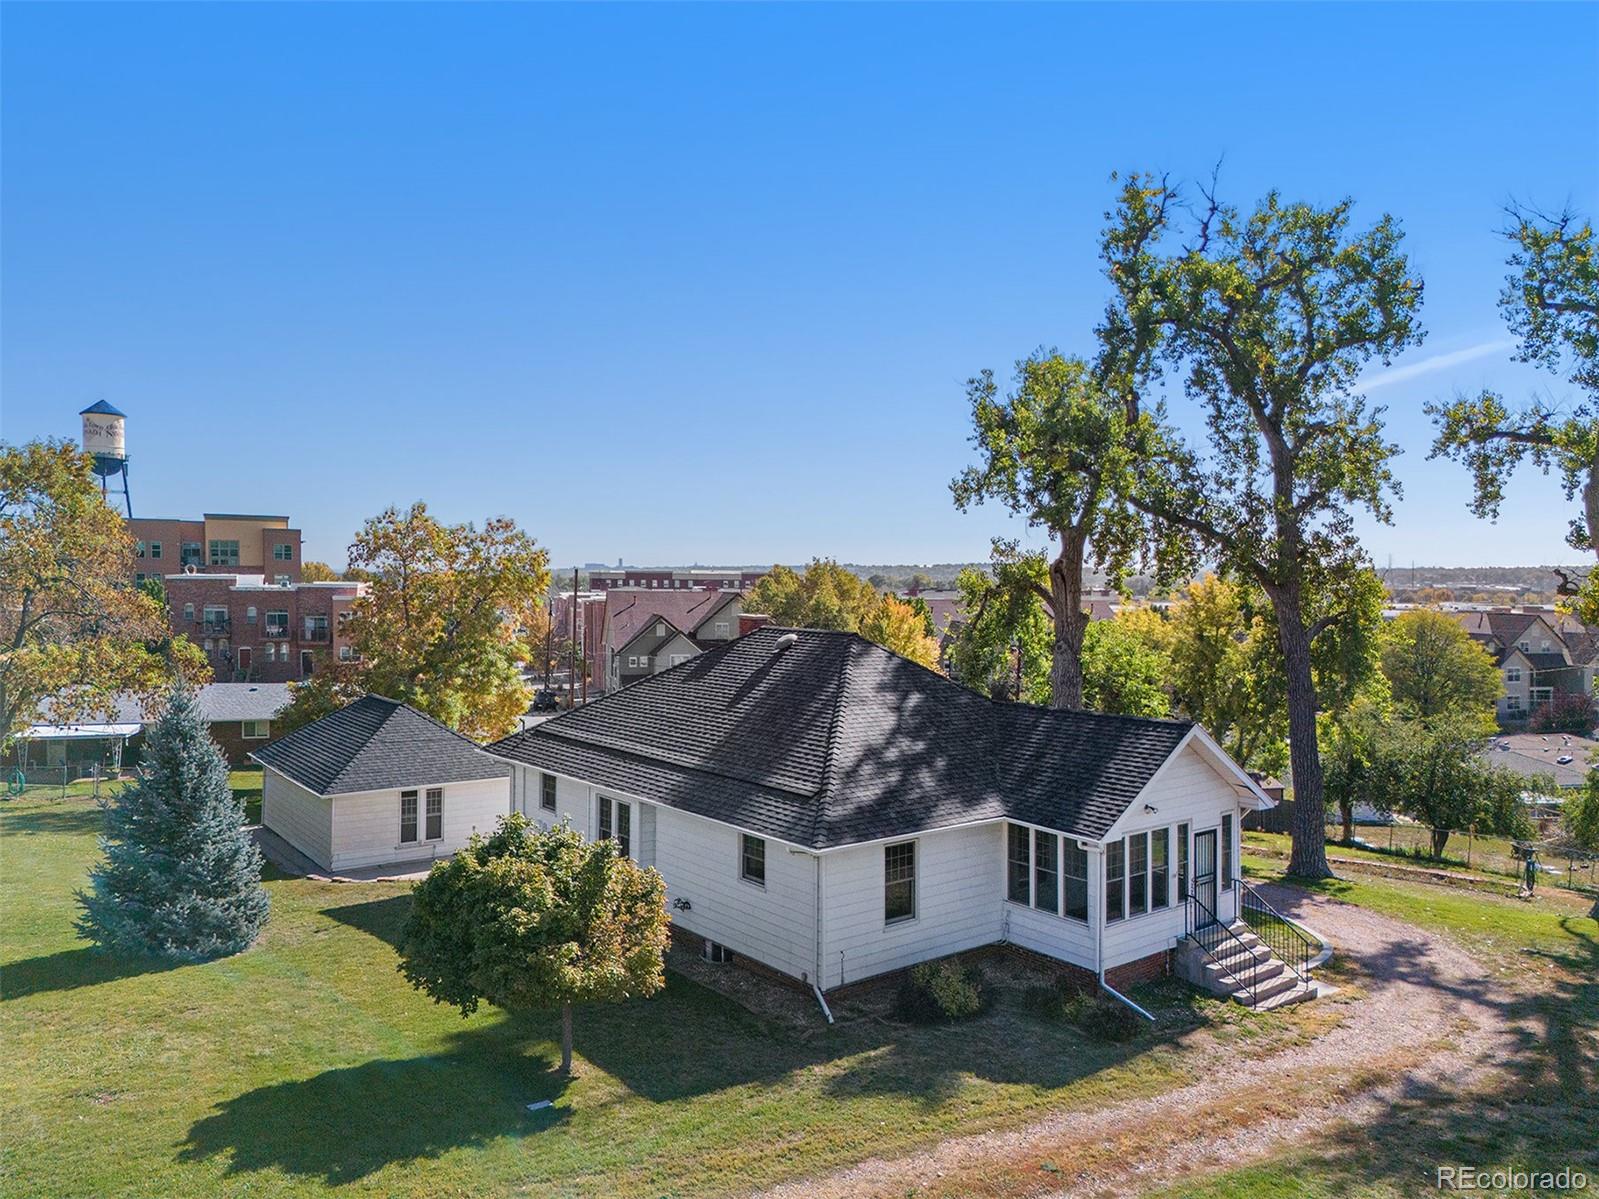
704	283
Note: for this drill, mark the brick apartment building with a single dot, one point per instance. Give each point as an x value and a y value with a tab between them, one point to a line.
254	630
667	578
217	543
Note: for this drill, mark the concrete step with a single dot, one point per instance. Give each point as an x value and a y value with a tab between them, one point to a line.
1238	965
1279	984
1299	993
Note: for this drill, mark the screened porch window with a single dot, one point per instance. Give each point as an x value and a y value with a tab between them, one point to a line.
1019	865
1138	874
1115	881
1075	872
1046	871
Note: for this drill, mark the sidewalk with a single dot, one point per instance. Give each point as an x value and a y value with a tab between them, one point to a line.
290	860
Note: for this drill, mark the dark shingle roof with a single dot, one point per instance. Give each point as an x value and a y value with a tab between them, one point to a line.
834	741
376	744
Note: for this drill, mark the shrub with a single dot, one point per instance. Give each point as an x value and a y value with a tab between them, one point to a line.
942	992
1094	1014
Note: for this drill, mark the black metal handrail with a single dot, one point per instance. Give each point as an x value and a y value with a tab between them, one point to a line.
1281	935
1211	935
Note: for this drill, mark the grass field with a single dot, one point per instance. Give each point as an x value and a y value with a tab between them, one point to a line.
307	1066
1544	963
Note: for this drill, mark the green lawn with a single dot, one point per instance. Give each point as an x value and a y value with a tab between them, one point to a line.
307	1066
1543	963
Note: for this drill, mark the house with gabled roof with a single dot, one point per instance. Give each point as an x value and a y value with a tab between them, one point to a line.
1539	653
832	812
650	631
378	783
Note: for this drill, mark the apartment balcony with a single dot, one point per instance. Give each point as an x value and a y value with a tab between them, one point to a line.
214	625
275	632
315	635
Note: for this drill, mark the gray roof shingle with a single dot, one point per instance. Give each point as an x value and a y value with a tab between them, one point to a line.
377	744
834	741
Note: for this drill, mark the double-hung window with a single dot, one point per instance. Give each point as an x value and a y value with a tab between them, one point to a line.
1227	852
283	551
1019	865
547	792
899	882
752	859
1046	871
407	816
435	814
1074	871
254	730
155	549
616	824
1160	869
1115	880
224	553
1138	874
1182	863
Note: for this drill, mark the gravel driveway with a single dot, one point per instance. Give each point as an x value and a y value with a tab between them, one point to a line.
1420	989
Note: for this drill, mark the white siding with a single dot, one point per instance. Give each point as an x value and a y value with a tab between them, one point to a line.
366	827
774	924
1187	790
302	818
1058	936
573	802
959	902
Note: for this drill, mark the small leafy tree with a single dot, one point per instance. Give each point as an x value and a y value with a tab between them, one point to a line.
1432	771
1004	618
527	920
181	876
74	630
1579	817
1434	667
440	626
1123	671
826	596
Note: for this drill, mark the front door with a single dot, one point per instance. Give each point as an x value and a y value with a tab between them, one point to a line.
1205	876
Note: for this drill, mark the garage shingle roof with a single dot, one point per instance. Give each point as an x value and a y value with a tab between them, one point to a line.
377	744
834	740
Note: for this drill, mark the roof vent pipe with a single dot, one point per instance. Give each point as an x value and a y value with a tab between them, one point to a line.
783	642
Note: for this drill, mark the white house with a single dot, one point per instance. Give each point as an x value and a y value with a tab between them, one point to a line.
832	811
378	783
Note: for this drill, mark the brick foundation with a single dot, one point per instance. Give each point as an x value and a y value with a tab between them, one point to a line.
1143	970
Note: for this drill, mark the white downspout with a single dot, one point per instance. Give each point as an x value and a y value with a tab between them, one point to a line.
1099	948
816	985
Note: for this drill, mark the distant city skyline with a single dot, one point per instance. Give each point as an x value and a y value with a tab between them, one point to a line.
689	284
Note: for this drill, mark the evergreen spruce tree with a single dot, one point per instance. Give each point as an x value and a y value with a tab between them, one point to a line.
181	877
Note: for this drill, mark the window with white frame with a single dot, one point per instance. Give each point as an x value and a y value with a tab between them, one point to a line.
1074	878
1018	864
1512	674
616	824
1227	852
752	859
899	882
1138	874
1182	863
407	817
138	549
1512	703
722	626
1046	871
547	792
155	549
1159	869
224	553
283	551
435	814
255	730
1115	881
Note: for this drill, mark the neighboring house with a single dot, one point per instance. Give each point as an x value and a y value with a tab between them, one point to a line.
256	631
647	632
238	716
834	812
1540	653
1538	755
669	578
378	783
217	543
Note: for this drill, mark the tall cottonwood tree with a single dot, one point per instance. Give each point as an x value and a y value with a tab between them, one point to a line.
1269	317
1551	303
1057	452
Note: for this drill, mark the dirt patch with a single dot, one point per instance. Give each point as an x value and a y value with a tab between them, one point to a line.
1419	1012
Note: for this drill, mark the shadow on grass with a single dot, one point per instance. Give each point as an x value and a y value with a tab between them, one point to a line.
1539	1116
342	1125
380	918
73	968
69	818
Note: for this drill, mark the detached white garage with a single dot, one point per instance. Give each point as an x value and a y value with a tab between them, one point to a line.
378	783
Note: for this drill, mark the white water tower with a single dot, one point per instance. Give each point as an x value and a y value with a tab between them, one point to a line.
104	437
